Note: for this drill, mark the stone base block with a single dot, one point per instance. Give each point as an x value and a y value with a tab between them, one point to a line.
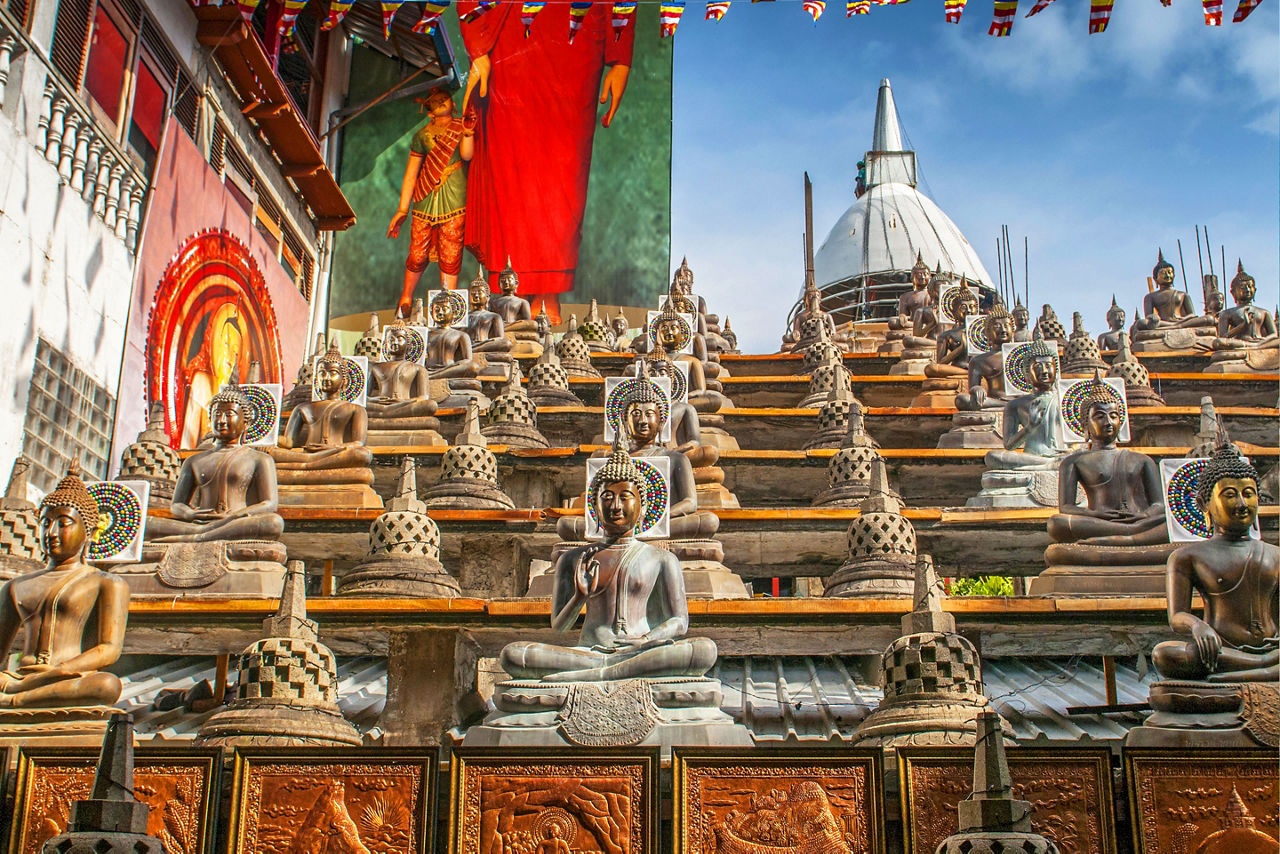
76	726
908	367
250	569
406	438
1100	581
714	436
258	723
941	399
1025	488
714	495
1210	714
399	576
325	496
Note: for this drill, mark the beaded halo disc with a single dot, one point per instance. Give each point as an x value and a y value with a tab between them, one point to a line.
975	334
684	341
262	422
1187	521
1017	367
948	303
458	307
416	343
654	522
616	391
1071	392
122	517
354	368
679	381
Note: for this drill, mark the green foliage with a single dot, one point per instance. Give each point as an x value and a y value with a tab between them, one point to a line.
987	585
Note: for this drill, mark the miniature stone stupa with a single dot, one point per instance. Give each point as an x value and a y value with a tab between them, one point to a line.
1050	327
111	820
301	391
20	549
1081	356
287	690
850	470
992	821
932	678
469	471
513	417
882	546
833	418
404	550
595	331
549	381
1137	380
575	355
370	343
152	459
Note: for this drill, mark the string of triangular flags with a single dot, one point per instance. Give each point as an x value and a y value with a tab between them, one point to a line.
622	14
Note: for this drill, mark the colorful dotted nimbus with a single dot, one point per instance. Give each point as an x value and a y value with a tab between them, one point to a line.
949	304
353	388
655	490
1017	368
976	337
1071	405
617	403
263	416
1182	499
415	344
121	519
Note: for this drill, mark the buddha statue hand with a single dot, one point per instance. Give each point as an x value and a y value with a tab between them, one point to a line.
1208	644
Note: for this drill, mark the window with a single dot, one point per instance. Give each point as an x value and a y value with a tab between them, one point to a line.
68	415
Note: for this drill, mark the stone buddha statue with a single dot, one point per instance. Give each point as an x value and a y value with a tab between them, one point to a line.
227	492
1110	340
620	327
920	344
450	354
804	328
1222	679
916	298
399	399
987	369
708	325
1021	320
324	444
71	617
1117	540
706	394
517	316
948	373
632	647
486	329
1247	340
686	426
1165	309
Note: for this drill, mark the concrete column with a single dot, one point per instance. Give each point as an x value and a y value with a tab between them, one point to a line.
428	672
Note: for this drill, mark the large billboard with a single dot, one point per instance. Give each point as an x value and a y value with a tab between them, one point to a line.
547	167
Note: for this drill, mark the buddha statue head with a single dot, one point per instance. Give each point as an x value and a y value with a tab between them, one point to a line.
1021	317
919	273
682	281
68	519
641	413
618	323
669	327
331	372
617	492
396	343
1228	490
1162	272
1042	363
1115	315
477	291
1101	412
542	321
1243	287
508	281
444	310
227	412
966	301
729	335
937	282
999	327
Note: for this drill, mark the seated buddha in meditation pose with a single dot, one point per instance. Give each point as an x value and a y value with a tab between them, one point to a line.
1238	638
1167	307
324	441
632	593
1125	498
916	298
398	388
1021	320
1244	326
988	368
1110	340
517	315
72	615
487	331
449	350
952	357
1033	436
226	492
804	328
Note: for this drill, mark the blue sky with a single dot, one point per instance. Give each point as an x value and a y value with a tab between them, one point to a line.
1098	148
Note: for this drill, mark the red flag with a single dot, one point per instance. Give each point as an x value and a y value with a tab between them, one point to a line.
1039	7
1002	18
716	9
1243	10
338	10
1212	13
857	7
815	8
953	9
1100	15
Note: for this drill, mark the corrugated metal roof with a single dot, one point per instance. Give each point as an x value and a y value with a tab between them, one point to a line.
779	698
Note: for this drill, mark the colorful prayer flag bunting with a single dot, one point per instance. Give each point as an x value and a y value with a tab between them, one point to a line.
1039	7
669	17
338	10
857	7
1166	3
1243	10
481	7
1100	15
247	8
1212	13
953	9
289	15
1002	18
528	12
889	2
716	9
389	9
431	13
815	8
623	14
577	11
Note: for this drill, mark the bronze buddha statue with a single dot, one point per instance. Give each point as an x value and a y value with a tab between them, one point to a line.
1021	320
1110	340
1247	339
948	373
910	301
517	316
449	351
988	368
399	390
485	327
70	614
1167	310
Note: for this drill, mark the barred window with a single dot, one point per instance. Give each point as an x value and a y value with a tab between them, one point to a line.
68	415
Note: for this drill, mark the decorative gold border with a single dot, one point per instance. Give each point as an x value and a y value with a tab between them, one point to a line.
1194	756
210	759
1101	756
648	760
423	758
869	760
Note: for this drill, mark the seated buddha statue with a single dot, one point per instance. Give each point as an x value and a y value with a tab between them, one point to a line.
708	325
70	614
301	391
948	373
685	423
804	328
399	396
1164	310
1243	329
226	492
489	342
920	341
633	595
324	442
918	297
987	369
1110	340
517	316
449	351
704	393
1021	320
620	327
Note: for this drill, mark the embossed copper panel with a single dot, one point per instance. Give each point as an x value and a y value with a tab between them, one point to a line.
180	787
1179	800
303	800
1069	790
779	801
550	801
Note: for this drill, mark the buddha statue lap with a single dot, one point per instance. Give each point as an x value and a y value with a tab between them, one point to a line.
1246	341
451	357
1024	473
1168	320
633	677
977	423
948	374
1221	684
322	459
900	325
71	618
1118	541
399	405
487	331
517	316
221	536
1110	340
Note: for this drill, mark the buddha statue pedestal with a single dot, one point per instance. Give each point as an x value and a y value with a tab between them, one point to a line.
404	550
939	392
916	355
247	569
1033	485
1082	569
974	429
1190	714
405	432
708	478
882	546
701	564
712	433
317	491
79	726
1262	359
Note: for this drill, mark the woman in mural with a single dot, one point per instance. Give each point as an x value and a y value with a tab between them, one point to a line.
217	359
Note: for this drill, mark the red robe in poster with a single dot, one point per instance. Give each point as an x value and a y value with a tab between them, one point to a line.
527	182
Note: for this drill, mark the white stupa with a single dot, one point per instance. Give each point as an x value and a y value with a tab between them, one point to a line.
865	262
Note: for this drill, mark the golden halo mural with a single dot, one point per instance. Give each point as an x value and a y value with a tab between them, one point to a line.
211	318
